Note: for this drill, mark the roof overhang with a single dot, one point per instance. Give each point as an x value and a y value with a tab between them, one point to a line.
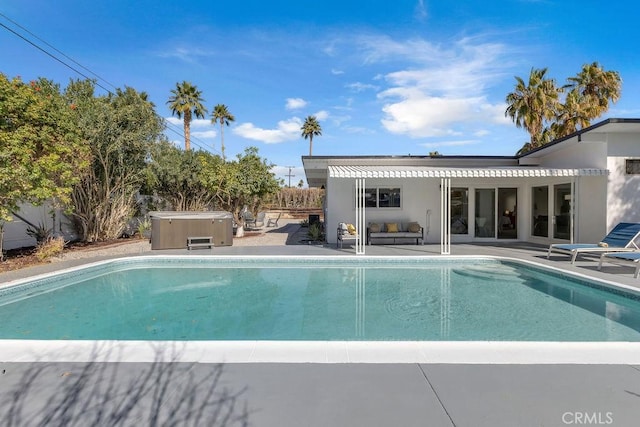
434	172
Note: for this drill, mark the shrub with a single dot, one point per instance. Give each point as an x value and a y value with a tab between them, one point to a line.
315	232
51	247
40	232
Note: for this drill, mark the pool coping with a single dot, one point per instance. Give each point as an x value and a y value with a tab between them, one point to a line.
436	352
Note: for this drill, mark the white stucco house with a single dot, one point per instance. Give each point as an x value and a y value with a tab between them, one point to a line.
574	189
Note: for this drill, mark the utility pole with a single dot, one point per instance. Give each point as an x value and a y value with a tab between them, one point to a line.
290	175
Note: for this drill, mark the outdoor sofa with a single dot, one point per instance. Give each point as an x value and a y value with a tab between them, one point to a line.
384	232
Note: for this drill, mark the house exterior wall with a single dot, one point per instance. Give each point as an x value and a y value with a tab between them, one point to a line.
622	200
600	201
591	209
417	195
421	194
580	155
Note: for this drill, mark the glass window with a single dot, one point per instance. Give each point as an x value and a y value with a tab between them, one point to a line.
540	213
371	197
632	166
382	197
459	211
485	212
388	197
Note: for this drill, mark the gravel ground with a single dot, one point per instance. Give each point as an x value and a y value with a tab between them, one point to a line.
287	233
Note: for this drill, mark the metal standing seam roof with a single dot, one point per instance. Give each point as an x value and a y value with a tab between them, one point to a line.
433	172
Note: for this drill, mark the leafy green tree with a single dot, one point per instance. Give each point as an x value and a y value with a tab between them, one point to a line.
532	104
41	153
246	181
176	176
120	129
222	116
311	128
185	102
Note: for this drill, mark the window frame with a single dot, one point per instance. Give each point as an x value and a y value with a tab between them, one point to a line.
632	166
376	190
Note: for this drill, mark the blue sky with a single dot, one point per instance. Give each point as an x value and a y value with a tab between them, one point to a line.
383	77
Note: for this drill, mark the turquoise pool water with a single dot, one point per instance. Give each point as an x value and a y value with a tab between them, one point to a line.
372	299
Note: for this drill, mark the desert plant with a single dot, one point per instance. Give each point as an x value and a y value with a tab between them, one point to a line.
40	232
144	225
304	223
50	247
315	232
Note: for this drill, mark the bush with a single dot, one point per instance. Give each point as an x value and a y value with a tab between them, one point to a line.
315	232
51	247
40	232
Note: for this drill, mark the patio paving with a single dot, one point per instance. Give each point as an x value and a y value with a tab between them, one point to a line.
309	394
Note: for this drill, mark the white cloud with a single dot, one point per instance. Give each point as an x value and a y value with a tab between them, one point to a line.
189	55
173	120
201	123
322	115
295	103
440	91
205	134
195	123
336	72
361	87
420	11
286	130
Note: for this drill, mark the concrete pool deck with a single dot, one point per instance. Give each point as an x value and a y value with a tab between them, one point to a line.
321	394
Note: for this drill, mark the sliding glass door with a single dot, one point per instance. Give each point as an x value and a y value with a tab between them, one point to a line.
485	212
562	211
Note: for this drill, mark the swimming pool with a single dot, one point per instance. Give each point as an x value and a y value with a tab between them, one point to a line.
345	299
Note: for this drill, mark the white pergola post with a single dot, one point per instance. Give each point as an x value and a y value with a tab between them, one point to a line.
572	209
360	217
445	216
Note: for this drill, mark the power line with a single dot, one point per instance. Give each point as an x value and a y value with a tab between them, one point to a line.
168	125
54	48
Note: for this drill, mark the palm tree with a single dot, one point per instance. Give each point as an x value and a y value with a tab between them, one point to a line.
309	129
186	100
222	115
595	87
533	103
575	113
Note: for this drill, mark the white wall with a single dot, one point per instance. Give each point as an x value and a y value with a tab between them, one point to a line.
623	194
580	156
591	209
417	195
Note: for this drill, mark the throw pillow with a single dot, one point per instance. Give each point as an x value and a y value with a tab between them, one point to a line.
351	229
413	227
392	227
374	228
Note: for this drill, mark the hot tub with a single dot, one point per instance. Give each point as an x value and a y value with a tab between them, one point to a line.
173	229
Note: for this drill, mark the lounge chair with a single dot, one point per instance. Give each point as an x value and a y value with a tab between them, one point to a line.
620	239
273	222
345	234
253	222
627	258
260	219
